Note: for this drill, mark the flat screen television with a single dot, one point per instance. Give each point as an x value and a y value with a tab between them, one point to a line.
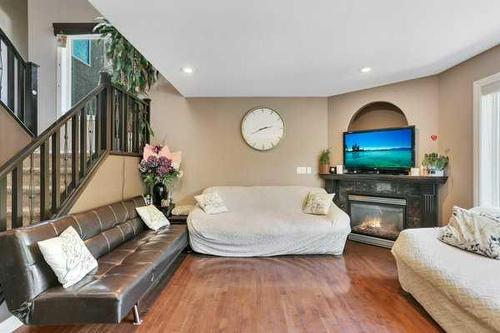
388	150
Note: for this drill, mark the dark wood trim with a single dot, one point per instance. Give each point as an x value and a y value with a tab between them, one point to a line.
75	141
28	150
3	204
82	28
44	181
56	171
17	195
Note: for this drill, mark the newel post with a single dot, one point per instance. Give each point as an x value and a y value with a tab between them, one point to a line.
31	97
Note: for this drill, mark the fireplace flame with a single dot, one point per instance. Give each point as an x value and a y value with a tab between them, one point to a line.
371	222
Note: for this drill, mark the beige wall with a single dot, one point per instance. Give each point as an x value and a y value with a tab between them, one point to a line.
116	179
43	47
418	99
207	130
13	137
14	22
455	125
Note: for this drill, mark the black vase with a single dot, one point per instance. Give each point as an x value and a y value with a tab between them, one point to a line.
159	193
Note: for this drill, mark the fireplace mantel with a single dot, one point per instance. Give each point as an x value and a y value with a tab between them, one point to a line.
386	178
420	192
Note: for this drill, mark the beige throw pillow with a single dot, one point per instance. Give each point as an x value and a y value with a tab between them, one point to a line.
211	203
472	231
318	203
68	257
152	217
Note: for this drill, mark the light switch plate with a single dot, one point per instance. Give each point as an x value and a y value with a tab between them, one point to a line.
309	170
301	170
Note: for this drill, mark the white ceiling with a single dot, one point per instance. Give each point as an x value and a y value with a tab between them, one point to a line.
300	47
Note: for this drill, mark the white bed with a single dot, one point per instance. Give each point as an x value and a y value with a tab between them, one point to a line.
459	289
267	221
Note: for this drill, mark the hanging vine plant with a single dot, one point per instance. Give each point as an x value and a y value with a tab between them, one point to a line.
131	70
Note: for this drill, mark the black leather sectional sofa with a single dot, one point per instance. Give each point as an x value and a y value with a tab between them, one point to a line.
132	259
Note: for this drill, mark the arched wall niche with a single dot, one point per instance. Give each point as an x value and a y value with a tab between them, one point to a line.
377	115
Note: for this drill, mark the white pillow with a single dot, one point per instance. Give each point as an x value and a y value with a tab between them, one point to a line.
473	232
153	217
211	203
68	257
318	203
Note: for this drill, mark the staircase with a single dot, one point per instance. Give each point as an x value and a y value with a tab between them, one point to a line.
45	179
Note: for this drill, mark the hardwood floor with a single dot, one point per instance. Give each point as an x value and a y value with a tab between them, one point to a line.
358	292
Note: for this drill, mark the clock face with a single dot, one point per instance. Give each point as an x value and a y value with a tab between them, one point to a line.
262	128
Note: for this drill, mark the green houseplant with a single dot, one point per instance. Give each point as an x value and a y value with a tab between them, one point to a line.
131	70
435	163
324	162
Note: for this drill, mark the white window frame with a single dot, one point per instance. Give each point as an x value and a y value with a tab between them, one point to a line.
64	56
477	94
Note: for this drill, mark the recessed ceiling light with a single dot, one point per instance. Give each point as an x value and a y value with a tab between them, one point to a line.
365	69
187	70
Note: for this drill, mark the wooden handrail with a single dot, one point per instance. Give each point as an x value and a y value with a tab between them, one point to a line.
68	152
21	91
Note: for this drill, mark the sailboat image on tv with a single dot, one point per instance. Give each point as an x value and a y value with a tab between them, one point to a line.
390	149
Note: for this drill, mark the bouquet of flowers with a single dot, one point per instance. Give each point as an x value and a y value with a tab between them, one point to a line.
159	165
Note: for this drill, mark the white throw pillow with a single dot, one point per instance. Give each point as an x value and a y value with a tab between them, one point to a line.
318	203
473	232
491	212
68	257
211	203
152	217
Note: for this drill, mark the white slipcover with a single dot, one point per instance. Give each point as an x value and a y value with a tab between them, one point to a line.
267	221
459	289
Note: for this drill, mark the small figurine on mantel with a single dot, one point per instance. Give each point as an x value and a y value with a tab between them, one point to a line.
159	168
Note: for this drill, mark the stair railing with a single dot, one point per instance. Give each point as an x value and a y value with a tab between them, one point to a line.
45	179
18	85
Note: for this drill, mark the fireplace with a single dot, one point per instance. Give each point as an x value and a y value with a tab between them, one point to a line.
375	219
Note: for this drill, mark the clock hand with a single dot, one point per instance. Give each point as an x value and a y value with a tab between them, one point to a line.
261	129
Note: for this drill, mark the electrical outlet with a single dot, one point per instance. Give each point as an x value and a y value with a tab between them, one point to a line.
309	170
301	170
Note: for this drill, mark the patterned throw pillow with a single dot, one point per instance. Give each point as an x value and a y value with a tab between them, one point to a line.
318	203
473	232
182	210
68	257
211	203
152	217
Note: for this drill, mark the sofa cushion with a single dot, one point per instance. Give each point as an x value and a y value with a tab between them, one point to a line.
123	276
68	257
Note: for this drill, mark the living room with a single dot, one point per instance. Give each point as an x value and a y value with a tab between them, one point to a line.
300	171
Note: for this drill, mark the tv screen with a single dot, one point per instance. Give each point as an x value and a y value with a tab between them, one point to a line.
384	149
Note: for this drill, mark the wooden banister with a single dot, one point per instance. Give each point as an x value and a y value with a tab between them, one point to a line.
46	177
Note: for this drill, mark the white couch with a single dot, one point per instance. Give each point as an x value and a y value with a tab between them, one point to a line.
459	289
267	221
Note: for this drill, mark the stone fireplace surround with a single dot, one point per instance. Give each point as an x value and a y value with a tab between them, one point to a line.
420	193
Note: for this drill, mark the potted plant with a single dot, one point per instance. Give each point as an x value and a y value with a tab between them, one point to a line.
157	172
324	162
435	164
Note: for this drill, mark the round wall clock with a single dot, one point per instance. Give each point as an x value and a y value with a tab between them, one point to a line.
262	128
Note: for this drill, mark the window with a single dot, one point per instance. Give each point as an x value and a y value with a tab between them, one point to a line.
81	49
487	141
81	59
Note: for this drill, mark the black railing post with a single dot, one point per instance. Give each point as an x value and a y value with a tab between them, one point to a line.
148	120
106	111
31	97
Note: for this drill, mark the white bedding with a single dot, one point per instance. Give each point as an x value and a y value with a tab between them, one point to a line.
267	221
459	289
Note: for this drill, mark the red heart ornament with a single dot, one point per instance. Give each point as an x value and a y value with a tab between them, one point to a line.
434	137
